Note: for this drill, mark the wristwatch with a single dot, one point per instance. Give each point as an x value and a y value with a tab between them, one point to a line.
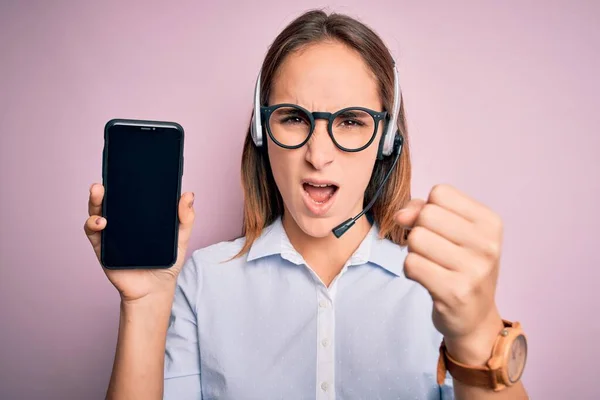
503	369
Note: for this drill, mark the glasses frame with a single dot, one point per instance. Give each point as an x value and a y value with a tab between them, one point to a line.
266	113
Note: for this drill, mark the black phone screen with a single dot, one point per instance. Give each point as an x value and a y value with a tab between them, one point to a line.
142	169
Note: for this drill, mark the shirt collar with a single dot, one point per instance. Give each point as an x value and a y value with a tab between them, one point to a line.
268	242
382	252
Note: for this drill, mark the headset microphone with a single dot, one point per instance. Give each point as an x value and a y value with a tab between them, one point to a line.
339	230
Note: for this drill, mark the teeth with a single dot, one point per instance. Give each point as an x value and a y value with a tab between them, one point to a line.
315	185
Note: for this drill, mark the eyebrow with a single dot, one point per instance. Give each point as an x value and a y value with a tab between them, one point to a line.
290	111
354	114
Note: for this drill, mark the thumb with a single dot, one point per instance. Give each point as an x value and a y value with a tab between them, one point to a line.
407	216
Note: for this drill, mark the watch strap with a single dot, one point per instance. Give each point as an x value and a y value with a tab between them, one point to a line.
467	374
471	375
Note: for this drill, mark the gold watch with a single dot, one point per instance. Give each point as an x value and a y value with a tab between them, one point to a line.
504	368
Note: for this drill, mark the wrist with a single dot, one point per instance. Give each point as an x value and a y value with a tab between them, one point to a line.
153	303
139	358
476	348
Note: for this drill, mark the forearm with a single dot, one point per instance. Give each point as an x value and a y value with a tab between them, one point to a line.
139	360
477	351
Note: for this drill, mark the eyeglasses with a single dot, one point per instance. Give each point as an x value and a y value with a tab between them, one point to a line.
351	129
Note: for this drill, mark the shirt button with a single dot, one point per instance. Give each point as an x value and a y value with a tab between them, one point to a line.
323	304
324	386
325	342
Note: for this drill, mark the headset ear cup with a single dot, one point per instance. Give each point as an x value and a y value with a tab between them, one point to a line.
380	149
386	144
390	134
256	125
391	127
256	131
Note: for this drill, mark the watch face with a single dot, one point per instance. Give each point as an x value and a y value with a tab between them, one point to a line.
517	358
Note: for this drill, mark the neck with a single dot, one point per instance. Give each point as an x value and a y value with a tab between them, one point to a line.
326	255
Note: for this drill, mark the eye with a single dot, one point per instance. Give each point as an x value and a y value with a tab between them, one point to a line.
351	119
290	116
351	122
292	120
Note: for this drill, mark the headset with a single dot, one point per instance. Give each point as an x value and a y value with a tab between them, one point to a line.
391	143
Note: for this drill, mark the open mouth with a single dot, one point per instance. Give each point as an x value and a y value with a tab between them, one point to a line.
320	193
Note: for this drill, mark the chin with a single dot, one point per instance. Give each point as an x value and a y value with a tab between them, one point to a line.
315	227
310	225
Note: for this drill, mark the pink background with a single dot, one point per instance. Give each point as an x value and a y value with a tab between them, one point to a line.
502	102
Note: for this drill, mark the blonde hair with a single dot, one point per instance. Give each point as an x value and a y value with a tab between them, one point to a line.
262	200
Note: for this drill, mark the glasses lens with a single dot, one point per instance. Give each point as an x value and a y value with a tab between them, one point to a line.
289	125
353	129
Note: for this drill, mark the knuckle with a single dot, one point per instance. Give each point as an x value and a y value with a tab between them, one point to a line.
88	226
438	192
415	236
410	265
491	249
480	272
427	215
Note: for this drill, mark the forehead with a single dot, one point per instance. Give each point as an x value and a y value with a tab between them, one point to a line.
325	76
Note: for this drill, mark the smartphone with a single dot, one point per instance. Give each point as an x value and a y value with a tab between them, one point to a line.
142	168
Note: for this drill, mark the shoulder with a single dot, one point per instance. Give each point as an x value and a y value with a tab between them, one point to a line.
219	253
217	258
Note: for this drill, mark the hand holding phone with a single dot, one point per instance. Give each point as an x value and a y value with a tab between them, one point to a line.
139	225
137	283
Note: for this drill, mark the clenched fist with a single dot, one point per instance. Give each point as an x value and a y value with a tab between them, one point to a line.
454	248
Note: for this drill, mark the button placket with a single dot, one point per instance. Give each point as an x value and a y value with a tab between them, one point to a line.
325	354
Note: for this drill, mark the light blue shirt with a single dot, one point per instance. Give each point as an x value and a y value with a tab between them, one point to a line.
264	326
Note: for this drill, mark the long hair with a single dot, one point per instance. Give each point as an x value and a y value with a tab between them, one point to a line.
262	200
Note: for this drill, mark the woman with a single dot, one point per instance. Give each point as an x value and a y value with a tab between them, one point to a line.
292	311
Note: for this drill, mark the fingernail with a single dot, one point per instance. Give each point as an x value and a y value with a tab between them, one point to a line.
193	198
98	221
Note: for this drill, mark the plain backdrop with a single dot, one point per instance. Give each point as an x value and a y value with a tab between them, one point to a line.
502	101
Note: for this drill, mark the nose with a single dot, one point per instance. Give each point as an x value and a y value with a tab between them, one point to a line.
320	148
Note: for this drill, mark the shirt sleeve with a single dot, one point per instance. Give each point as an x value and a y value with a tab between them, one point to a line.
182	355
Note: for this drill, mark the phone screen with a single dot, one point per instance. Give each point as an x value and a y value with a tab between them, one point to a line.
142	179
